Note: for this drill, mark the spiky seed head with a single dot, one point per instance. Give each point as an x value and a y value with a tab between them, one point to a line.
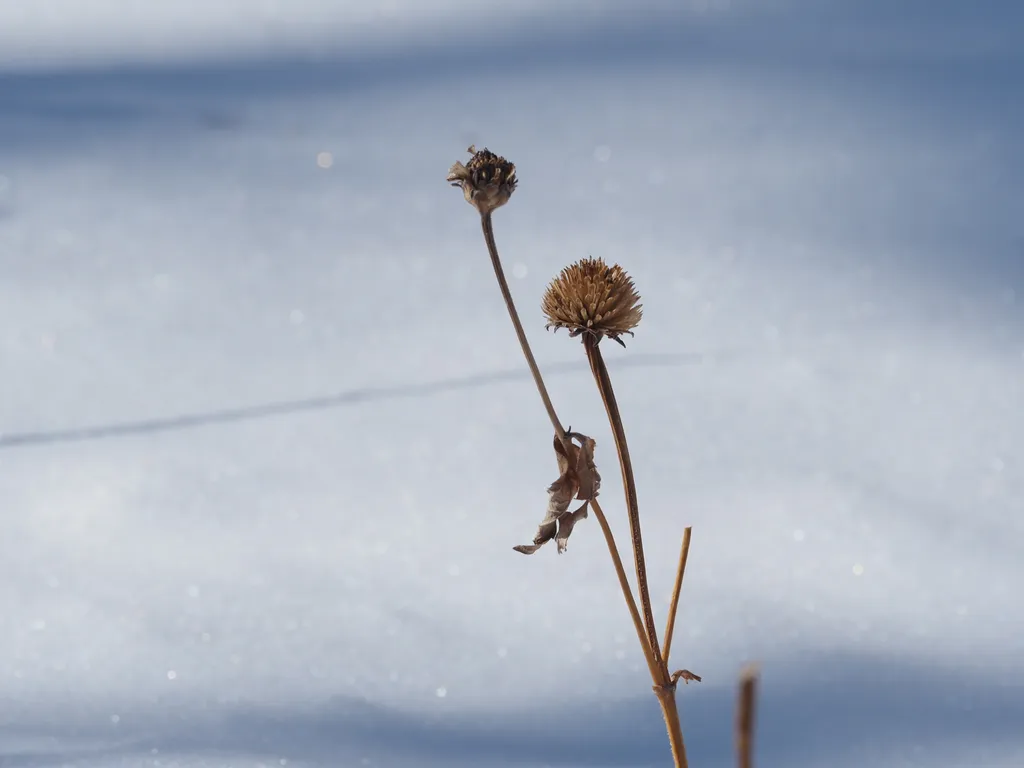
487	180
592	298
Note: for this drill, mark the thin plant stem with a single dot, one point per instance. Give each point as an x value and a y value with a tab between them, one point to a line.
646	632
745	718
604	384
674	604
664	686
627	592
666	697
492	249
670	711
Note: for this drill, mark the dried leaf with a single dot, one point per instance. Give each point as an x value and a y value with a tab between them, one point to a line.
685	675
564	460
578	478
586	470
527	549
566	523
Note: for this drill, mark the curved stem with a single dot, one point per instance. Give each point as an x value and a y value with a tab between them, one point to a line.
663	685
604	384
646	632
492	248
613	549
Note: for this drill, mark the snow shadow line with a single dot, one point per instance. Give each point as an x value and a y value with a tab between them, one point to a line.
337	400
831	708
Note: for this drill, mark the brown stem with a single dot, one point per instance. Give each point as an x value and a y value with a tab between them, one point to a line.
745	718
604	384
665	692
663	685
674	604
492	248
613	549
667	699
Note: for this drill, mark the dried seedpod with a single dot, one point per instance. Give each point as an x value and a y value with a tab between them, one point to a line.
487	180
590	297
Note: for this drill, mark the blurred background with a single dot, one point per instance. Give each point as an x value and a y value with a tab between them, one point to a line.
267	438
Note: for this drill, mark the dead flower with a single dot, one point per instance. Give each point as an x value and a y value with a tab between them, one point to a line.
578	479
592	298
487	180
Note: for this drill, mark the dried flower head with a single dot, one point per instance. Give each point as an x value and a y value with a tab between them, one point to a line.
591	297
487	180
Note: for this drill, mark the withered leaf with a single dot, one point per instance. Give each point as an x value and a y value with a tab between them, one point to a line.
685	675
586	470
566	523
579	479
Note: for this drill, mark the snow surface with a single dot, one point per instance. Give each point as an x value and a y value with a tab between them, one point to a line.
267	440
